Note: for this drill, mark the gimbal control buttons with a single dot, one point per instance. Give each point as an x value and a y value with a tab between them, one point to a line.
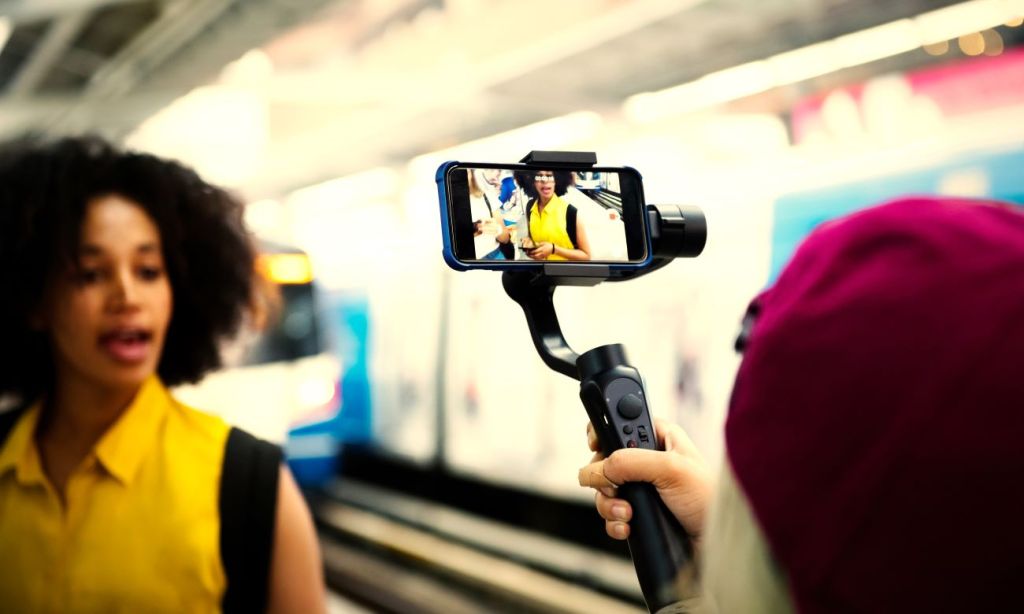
628	429
630	407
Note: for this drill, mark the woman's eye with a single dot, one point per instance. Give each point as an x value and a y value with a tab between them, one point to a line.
150	273
87	276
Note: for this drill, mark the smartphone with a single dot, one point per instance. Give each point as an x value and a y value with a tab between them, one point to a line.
592	214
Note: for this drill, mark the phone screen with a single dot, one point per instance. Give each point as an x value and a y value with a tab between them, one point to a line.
535	215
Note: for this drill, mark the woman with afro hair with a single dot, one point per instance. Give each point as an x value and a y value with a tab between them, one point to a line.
121	275
555	230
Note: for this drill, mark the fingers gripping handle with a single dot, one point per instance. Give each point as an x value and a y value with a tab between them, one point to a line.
614	398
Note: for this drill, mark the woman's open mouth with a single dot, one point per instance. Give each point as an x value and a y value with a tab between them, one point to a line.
127	345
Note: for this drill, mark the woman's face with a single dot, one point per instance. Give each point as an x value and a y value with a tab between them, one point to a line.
544	181
107	318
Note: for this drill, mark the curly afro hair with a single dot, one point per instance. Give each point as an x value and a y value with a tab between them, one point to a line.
563	179
209	255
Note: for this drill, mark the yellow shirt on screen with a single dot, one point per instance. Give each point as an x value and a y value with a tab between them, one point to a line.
140	528
548	225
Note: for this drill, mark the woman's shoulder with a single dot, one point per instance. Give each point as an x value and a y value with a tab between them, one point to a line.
201	428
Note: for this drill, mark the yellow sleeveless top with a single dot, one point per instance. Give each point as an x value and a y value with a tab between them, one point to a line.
548	226
140	529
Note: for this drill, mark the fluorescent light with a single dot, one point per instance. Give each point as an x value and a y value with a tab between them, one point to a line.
877	43
804	63
954	21
5	31
711	89
819	59
736	82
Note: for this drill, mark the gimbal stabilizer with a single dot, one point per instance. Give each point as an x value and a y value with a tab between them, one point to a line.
612	391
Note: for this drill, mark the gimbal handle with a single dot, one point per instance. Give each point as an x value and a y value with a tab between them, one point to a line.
658	545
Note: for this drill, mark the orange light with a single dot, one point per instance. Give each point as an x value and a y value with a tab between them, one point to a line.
993	42
285	268
972	44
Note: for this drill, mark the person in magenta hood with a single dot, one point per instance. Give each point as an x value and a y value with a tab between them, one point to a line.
875	439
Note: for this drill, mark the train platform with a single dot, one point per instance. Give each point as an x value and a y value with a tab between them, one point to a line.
388	551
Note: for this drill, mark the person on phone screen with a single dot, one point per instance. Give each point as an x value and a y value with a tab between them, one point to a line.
555	229
491	239
873	440
122	273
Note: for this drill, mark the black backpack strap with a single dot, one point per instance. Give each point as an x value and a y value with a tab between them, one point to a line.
570	225
248	504
487	201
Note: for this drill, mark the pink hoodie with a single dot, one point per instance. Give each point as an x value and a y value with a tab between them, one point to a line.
877	425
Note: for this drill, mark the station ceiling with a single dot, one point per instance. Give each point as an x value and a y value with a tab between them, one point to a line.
106	65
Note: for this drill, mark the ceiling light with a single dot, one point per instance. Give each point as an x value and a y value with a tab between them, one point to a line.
933	30
952	21
5	31
804	63
877	43
972	44
993	42
712	89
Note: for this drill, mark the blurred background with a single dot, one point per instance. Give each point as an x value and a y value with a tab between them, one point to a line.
439	453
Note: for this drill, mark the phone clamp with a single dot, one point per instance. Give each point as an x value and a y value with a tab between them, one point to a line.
612	391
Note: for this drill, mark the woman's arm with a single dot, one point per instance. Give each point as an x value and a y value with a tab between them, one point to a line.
504	235
582	251
296	571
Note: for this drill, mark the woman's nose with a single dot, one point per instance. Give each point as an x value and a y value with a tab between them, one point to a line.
125	290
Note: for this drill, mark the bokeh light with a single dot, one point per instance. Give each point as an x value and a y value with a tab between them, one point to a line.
972	44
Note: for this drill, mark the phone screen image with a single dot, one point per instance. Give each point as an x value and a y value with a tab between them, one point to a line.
536	215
